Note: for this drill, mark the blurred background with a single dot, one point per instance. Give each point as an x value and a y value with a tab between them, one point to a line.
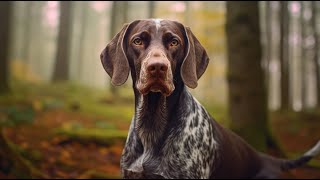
60	117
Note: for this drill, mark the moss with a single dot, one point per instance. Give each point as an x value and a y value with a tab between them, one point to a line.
22	168
314	162
218	112
122	112
255	136
101	136
31	155
71	96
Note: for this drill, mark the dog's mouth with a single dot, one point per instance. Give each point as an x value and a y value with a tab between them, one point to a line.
155	85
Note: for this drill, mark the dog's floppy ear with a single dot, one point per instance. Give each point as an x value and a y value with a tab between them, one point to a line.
195	61
114	59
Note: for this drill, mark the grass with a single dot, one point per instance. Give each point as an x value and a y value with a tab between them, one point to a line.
218	112
101	136
70	95
87	100
109	111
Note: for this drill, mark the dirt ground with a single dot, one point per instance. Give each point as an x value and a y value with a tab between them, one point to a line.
297	133
59	157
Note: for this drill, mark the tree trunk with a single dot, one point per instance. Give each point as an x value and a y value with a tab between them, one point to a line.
303	59
113	30
118	18
247	91
316	49
26	33
284	54
83	34
124	8
61	70
188	15
151	8
113	21
37	44
5	34
268	41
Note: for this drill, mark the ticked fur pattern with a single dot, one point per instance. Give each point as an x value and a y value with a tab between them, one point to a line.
158	143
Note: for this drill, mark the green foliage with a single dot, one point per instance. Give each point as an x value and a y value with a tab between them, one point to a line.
104	125
313	163
51	103
101	136
32	155
253	135
20	167
67	95
14	115
72	126
218	112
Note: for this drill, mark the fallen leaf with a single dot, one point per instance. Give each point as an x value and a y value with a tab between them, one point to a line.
103	151
44	144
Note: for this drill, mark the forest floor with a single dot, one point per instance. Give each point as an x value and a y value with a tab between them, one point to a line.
297	132
64	132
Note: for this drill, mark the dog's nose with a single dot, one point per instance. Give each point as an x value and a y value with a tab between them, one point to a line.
157	67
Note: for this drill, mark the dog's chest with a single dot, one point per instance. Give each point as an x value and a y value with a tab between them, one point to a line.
188	151
145	166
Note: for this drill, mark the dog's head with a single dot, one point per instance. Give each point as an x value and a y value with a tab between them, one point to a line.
155	51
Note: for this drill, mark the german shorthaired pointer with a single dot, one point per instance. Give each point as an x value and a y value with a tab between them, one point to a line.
171	134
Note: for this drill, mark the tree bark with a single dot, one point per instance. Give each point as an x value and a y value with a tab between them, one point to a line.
187	15
26	34
61	70
247	91
316	49
268	49
6	8
303	60
151	8
83	34
37	44
118	18
284	55
113	30
125	8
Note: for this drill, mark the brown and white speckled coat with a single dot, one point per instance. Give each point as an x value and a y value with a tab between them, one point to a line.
171	134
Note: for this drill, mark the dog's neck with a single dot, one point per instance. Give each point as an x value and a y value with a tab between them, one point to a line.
152	116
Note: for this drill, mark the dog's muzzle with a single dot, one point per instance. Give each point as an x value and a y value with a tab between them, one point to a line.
156	75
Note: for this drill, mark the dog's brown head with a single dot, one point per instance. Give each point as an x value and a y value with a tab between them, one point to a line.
155	51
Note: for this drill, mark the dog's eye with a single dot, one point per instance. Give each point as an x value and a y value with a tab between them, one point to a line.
137	41
174	42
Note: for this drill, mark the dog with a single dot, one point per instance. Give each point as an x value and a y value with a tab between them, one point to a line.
171	134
